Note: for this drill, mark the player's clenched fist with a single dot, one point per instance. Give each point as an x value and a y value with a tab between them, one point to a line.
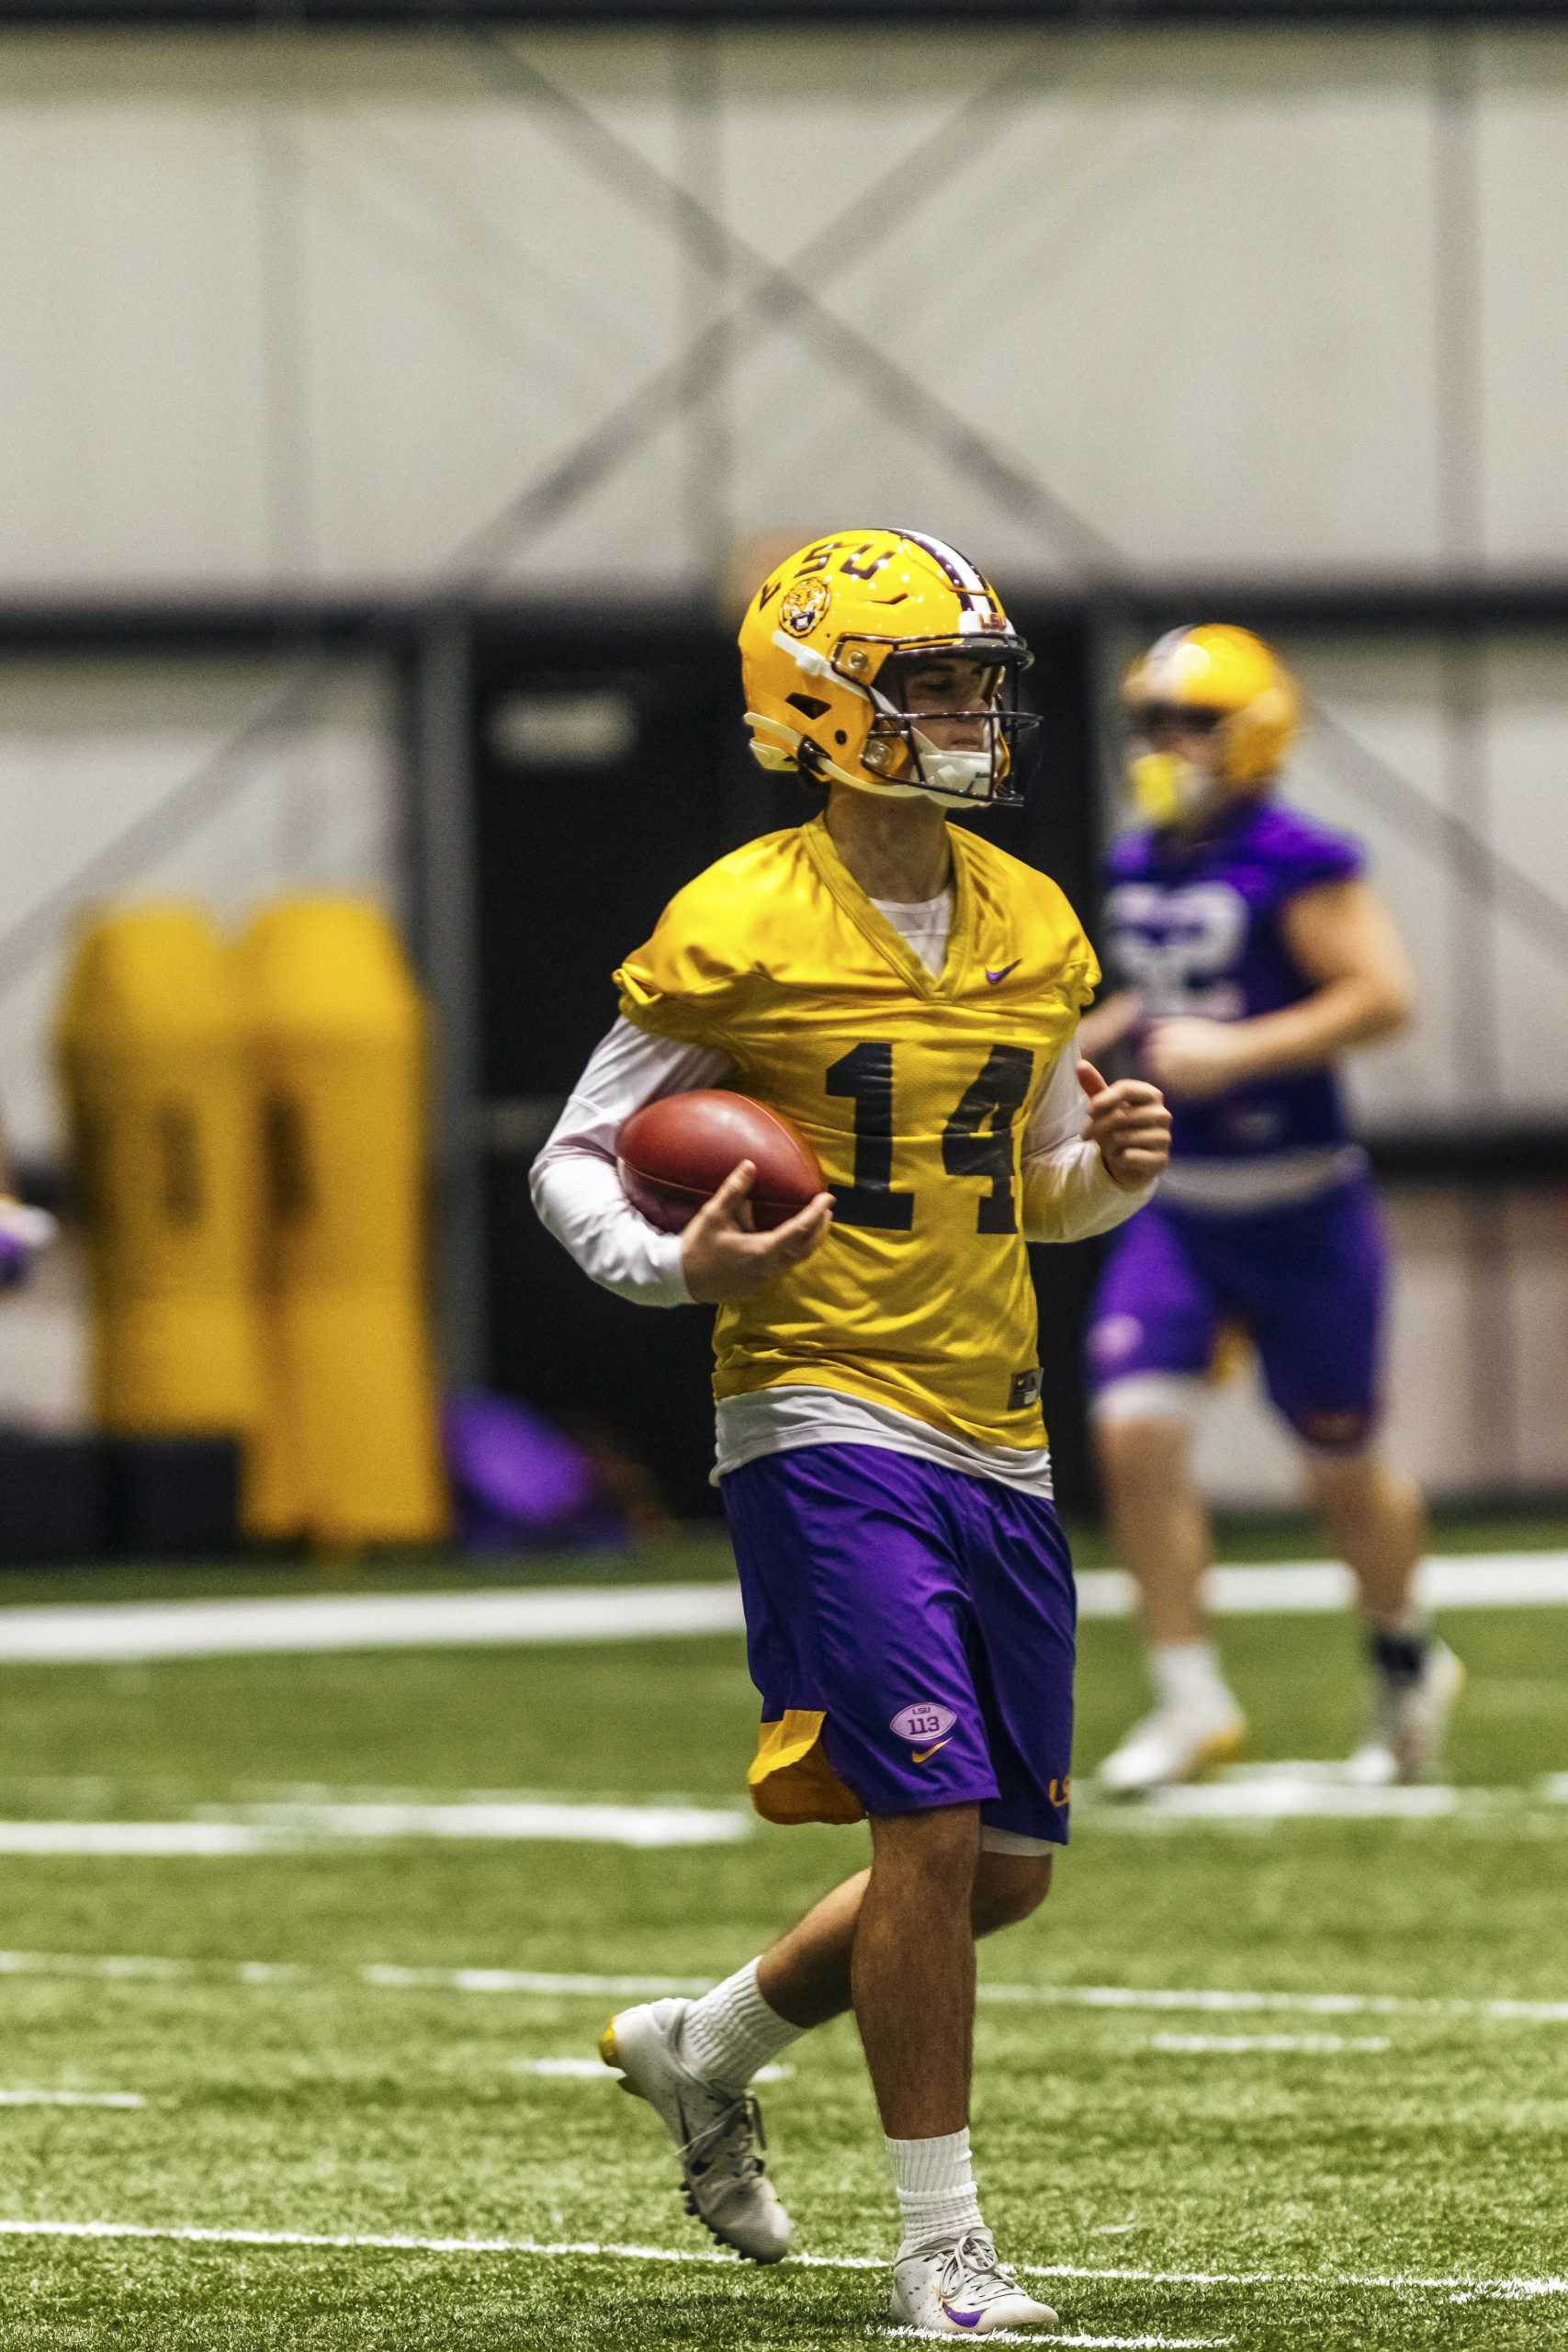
1130	1125
724	1257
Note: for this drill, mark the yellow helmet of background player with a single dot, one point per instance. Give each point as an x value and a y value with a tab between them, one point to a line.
1219	676
821	646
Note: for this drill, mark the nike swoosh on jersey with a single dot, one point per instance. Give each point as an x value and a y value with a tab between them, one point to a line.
995	976
924	1755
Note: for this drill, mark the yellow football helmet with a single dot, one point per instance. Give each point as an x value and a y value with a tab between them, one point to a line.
1216	677
821	646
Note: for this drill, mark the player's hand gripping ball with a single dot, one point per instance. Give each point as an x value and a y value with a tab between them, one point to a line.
674	1155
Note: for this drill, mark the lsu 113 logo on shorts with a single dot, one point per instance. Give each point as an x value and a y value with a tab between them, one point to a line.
925	1725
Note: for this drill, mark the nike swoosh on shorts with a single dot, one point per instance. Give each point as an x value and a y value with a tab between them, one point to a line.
924	1755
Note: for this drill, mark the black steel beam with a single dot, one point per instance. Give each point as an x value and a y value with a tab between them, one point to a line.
202	623
409	16
1506	1152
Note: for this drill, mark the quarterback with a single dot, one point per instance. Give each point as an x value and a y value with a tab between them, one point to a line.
1252	954
908	995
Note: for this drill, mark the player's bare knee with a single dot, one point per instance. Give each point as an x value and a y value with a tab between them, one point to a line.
1007	1889
1146	1452
939	1847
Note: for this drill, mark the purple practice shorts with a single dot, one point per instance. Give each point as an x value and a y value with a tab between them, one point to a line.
1307	1284
911	1630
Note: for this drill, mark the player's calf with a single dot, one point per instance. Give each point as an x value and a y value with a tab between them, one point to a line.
1009	1889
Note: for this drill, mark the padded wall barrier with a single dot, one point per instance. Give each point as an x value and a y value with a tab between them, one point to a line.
350	1452
152	1055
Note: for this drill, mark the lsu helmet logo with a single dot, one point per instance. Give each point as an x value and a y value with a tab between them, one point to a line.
830	641
805	605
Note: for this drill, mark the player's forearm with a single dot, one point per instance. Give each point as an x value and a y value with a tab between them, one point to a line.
575	1187
1069	1195
1352	1012
577	1195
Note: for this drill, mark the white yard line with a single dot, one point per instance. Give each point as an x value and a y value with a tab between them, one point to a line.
283	1829
542	2248
1319	1588
1279	1797
1112	2343
72	2098
139	1840
554	1985
1323	2045
122	1631
585	1820
1324	2004
1259	1795
262	1819
1261	1803
80	1633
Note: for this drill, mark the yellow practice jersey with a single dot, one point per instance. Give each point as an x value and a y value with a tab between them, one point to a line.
915	1089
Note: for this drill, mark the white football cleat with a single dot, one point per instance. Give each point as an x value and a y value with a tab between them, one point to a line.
718	2135
963	2290
1409	1721
1172	1745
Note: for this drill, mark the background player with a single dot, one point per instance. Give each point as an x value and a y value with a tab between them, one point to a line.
908	995
1254	955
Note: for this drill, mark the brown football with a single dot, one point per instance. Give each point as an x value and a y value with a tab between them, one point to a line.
674	1154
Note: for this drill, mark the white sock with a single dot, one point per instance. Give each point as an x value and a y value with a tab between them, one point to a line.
935	2182
1189	1675
731	2032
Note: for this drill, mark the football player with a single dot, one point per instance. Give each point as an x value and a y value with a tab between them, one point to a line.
908	995
1253	955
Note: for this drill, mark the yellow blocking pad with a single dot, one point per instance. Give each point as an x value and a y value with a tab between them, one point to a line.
351	1452
153	1055
790	1778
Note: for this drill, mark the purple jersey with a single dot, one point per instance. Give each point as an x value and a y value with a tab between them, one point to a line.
1192	924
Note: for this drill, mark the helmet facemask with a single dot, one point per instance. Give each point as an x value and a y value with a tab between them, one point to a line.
961	748
1172	787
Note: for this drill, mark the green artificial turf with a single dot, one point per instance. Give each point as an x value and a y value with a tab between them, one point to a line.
325	2103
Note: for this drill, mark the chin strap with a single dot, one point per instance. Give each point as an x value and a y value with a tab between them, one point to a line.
775	746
